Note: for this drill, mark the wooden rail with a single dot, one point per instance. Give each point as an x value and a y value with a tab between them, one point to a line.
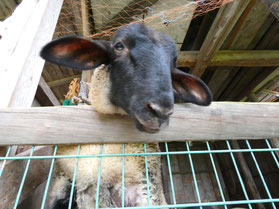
65	125
237	58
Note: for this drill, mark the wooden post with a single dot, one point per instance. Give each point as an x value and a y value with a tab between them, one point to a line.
45	88
30	27
66	125
23	35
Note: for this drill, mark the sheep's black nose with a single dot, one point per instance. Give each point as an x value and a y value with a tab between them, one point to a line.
159	110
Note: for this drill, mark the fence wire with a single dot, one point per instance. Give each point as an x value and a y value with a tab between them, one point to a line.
190	152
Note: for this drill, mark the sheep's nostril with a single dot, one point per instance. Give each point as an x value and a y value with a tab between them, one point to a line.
159	111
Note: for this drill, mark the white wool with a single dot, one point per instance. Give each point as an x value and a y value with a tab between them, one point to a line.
100	90
111	167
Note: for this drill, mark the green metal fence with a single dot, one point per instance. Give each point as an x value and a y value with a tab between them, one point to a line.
271	200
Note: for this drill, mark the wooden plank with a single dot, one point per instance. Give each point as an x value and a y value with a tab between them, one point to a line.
27	30
238	58
47	91
65	125
220	29
13	172
273	6
62	81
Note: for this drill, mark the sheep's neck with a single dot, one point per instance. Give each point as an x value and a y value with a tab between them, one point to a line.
99	92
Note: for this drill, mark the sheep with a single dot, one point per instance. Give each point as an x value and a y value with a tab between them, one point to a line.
135	75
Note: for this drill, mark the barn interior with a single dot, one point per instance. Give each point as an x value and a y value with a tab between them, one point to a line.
232	45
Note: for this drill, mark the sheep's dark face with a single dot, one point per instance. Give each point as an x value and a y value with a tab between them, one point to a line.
143	76
140	74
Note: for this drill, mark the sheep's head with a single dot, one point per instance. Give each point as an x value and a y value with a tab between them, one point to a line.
143	75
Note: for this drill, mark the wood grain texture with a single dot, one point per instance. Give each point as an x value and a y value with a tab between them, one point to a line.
237	58
47	91
219	31
27	30
13	172
65	125
273	6
242	37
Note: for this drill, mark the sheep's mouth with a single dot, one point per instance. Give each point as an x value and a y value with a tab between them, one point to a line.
150	125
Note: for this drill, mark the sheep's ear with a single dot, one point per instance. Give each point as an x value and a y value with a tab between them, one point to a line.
190	88
78	53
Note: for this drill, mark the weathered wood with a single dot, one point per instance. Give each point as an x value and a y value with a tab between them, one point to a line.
238	58
13	172
273	6
47	91
27	30
273	76
252	187
220	29
241	38
63	125
62	81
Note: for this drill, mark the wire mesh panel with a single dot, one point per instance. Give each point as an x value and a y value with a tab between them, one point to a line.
193	175
105	17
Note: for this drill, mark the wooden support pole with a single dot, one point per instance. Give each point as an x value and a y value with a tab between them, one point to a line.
26	31
47	91
273	6
237	58
220	29
247	175
66	125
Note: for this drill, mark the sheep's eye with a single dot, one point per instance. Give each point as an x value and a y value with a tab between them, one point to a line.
119	46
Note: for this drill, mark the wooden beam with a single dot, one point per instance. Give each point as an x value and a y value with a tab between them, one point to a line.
238	58
219	31
65	125
273	76
62	81
273	6
13	172
27	30
254	19
271	92
47	91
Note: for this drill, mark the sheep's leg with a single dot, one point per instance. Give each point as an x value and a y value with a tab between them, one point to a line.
86	196
60	192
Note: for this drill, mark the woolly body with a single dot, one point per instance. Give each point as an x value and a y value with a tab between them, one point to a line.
111	167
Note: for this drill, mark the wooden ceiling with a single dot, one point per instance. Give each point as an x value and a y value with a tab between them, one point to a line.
234	49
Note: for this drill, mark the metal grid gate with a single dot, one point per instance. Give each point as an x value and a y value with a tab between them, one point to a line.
223	203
